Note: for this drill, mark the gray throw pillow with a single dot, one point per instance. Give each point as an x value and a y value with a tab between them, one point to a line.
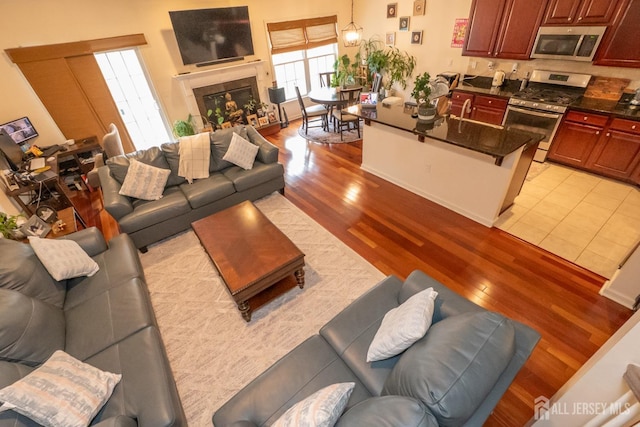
22	271
119	165
455	366
30	330
171	152
388	411
220	142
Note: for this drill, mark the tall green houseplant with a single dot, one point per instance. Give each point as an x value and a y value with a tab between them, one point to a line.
400	66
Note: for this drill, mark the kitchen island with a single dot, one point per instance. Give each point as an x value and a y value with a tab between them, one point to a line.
472	168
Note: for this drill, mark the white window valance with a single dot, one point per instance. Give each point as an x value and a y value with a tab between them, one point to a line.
288	36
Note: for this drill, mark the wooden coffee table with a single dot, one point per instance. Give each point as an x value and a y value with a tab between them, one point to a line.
251	254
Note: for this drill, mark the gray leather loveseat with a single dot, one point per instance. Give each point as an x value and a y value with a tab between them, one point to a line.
105	320
182	203
455	375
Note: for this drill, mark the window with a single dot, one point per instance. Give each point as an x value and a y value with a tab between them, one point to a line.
300	50
302	68
134	97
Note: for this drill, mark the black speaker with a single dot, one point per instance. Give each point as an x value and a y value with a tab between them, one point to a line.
276	95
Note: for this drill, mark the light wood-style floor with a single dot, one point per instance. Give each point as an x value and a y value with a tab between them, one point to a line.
398	232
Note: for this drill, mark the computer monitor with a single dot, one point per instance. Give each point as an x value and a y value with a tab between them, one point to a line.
20	130
11	151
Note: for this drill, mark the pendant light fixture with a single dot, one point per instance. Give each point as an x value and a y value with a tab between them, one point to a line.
351	34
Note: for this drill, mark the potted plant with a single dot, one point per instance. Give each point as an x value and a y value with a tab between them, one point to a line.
345	71
9	224
184	127
422	94
399	67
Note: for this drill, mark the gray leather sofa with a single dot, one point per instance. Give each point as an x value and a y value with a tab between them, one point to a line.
182	203
455	375
105	320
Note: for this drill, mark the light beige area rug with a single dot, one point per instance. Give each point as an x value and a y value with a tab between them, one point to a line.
213	352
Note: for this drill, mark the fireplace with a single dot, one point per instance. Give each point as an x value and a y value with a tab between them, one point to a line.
229	102
238	80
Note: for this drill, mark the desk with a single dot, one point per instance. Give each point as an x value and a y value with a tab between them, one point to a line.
79	155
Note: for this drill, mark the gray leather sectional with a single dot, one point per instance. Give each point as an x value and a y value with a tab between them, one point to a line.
455	375
182	203
105	320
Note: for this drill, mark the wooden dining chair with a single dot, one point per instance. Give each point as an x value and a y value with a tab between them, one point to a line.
325	78
312	113
342	120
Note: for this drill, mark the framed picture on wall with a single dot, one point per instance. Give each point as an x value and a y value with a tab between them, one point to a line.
390	39
418	7
392	10
416	37
404	23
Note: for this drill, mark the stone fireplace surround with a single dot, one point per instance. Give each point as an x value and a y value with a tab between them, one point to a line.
197	84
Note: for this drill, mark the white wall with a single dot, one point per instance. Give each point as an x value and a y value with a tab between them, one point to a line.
624	286
597	381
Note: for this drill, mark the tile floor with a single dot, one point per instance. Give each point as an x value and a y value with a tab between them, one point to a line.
587	219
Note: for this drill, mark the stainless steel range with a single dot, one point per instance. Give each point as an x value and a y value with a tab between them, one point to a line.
539	107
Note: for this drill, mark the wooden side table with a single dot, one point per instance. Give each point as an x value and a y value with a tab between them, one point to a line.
68	217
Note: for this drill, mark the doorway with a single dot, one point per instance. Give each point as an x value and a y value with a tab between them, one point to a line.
135	98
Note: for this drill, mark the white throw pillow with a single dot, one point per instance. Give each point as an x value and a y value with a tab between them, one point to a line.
62	392
402	326
241	152
63	259
321	409
144	181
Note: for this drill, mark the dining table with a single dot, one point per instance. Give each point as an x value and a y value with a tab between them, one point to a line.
330	96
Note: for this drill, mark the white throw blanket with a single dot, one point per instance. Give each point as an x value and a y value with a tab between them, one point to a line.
195	152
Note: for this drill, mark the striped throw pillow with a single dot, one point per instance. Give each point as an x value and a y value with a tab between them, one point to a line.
62	392
143	181
321	409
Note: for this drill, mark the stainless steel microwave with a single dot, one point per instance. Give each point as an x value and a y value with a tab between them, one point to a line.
569	43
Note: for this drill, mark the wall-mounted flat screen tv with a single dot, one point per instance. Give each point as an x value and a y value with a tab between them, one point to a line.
20	130
212	35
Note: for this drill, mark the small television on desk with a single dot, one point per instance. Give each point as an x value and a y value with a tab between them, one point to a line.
209	36
11	151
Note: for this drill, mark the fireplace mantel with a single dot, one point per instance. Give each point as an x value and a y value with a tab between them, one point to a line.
196	79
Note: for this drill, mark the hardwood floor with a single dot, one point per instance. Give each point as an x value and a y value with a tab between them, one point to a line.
398	232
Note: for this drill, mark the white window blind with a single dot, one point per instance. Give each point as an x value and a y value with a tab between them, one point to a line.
300	34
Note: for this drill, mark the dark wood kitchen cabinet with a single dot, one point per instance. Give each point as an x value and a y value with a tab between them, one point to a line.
458	100
503	28
617	152
576	138
596	143
489	109
580	12
620	47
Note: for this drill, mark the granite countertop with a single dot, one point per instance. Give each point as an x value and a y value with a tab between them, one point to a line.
622	109
619	109
482	85
481	137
